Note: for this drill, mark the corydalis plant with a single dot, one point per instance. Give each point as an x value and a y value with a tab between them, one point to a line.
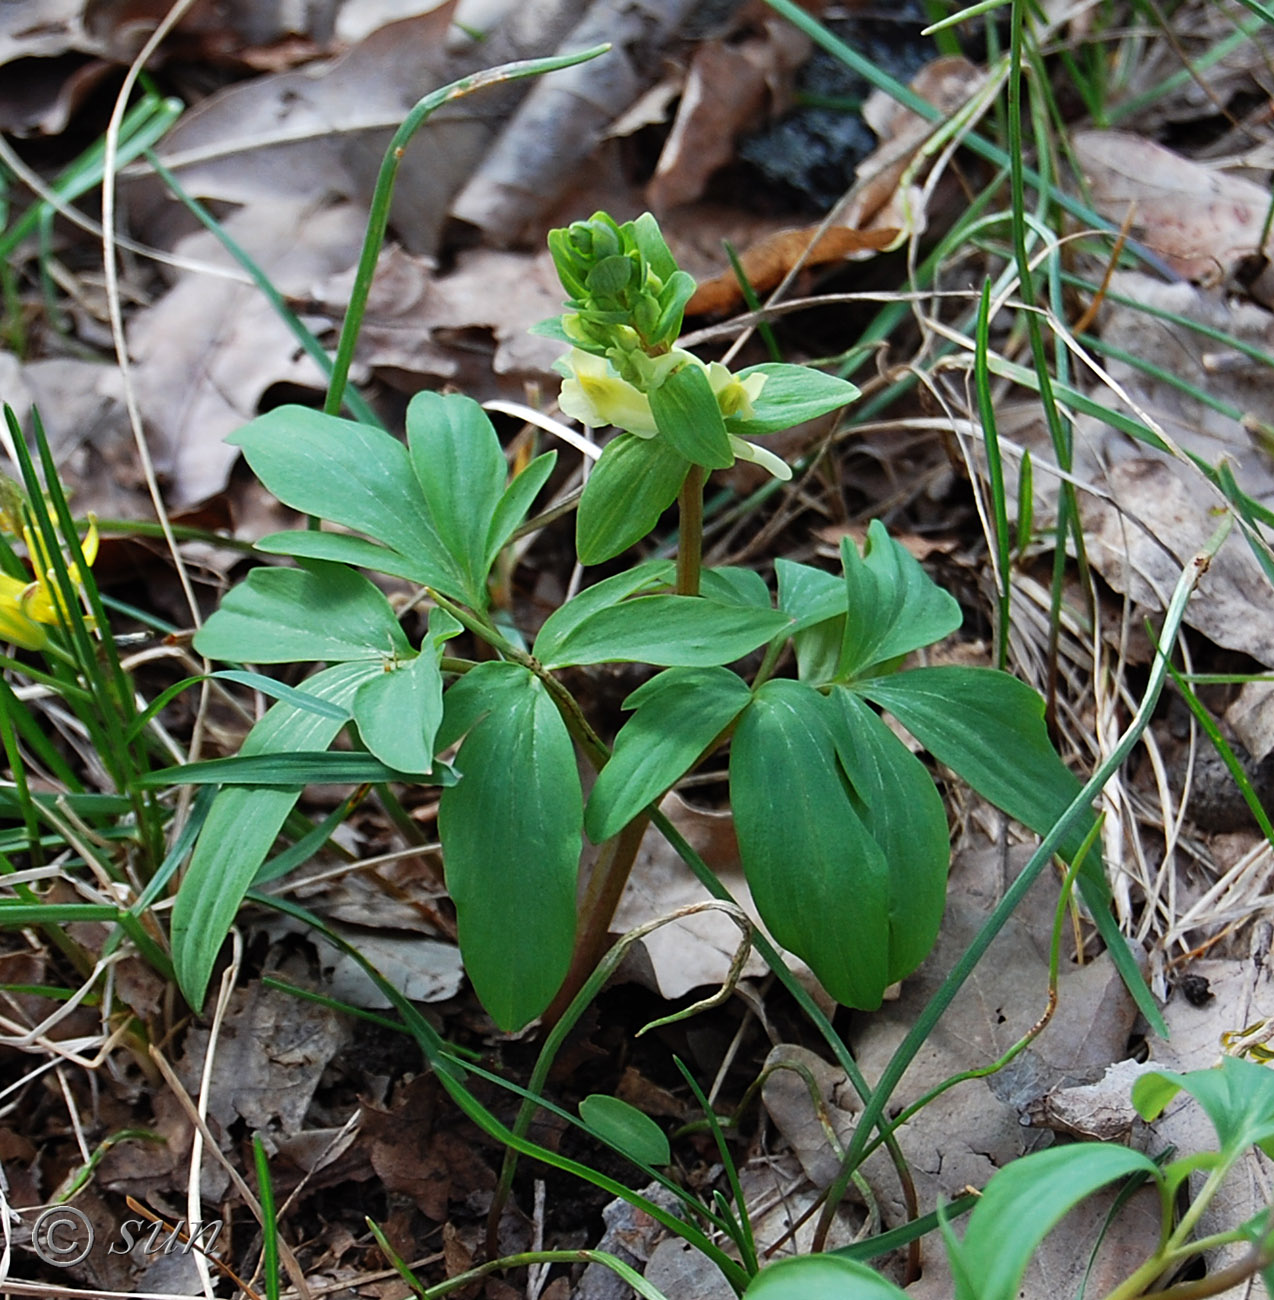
842	832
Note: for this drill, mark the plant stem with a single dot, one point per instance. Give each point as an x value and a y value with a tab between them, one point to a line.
690	541
601	899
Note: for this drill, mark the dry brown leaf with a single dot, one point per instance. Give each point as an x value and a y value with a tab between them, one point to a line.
1199	220
876	201
563	117
208	350
766	263
709	122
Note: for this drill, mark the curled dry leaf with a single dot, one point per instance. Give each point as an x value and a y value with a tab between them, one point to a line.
766	263
1199	220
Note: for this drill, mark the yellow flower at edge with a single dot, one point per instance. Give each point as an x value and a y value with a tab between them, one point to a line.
25	607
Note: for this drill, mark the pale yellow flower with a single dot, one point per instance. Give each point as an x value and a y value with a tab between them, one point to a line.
596	396
25	607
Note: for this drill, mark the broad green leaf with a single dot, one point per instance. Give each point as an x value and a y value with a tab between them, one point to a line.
893	606
353	475
670	631
688	417
903	811
323	612
732	585
516	501
342	548
461	470
511	839
677	715
633	483
989	728
820	1277
819	880
1022	1203
792	395
809	595
817	601
242	825
564	620
626	1128
1237	1096
399	712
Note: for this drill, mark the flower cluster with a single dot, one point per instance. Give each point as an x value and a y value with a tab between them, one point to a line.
627	300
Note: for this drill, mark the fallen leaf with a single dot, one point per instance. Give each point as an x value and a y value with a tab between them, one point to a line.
206	352
1201	221
766	263
756	67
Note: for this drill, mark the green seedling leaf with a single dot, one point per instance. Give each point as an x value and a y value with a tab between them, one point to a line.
399	712
461	470
1022	1203
669	631
242	824
511	839
893	606
355	476
515	502
627	1129
564	621
633	483
791	395
819	880
903	812
687	415
820	1277
1237	1095
678	714
324	612
340	548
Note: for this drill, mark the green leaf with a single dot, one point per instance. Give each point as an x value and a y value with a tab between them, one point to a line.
894	607
242	825
633	483
511	839
670	631
819	880
791	395
399	712
515	502
324	612
626	1128
564	620
1237	1096
808	595
735	586
461	470
353	475
1022	1203
291	770
989	728
678	714
342	548
278	691
820	1277
903	811
687	415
